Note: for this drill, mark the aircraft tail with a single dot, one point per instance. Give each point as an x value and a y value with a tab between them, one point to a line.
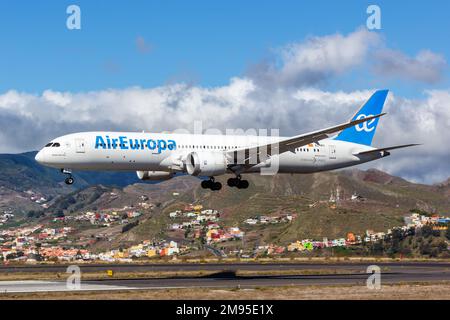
363	133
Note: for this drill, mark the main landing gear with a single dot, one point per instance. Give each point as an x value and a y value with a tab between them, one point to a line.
237	182
211	184
69	180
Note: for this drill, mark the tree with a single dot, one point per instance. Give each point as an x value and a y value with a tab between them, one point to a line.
447	233
426	231
395	246
406	251
31	214
397	235
434	252
377	248
425	249
436	233
59	213
442	246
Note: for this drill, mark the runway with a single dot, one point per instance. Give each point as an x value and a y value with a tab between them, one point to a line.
225	277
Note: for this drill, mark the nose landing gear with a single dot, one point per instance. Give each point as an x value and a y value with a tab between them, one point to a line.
211	184
69	180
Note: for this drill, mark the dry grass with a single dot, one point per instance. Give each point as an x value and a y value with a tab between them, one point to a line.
387	292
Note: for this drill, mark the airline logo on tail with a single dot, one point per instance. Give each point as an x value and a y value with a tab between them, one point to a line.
363	133
367	126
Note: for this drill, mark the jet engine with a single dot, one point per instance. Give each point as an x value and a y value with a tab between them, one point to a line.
206	163
154	175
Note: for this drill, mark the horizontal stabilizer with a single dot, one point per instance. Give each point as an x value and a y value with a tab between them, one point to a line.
387	148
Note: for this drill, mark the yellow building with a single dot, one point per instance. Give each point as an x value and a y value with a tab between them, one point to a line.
120	255
136	247
151	253
296	246
198	207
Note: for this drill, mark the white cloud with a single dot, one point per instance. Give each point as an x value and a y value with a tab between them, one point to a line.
317	59
426	67
425	121
320	57
29	121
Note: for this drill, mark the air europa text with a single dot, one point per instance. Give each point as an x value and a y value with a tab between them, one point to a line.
124	143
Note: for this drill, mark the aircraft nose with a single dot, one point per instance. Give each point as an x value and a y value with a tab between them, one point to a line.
39	157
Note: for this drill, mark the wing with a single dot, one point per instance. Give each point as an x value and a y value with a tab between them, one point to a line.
257	154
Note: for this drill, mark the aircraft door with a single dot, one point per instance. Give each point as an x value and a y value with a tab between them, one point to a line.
79	145
332	152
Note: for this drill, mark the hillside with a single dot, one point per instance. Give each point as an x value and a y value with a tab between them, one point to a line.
384	201
21	178
322	202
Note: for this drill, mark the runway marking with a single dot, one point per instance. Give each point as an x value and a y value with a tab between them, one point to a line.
29	286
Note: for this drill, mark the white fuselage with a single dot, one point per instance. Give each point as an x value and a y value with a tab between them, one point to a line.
133	151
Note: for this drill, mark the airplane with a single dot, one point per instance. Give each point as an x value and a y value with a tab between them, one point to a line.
162	156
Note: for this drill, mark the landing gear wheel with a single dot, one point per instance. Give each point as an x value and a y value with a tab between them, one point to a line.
243	184
211	184
206	184
69	180
238	182
233	182
216	186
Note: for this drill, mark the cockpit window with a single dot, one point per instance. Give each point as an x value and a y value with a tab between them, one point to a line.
56	144
48	144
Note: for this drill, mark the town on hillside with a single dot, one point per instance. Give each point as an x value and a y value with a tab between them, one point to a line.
190	230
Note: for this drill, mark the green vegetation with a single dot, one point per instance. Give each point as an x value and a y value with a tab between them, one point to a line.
130	226
424	242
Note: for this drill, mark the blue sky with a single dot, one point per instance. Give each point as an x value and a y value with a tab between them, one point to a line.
295	66
200	42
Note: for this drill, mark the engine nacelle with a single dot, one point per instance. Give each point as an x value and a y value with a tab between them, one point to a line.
154	175
206	163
